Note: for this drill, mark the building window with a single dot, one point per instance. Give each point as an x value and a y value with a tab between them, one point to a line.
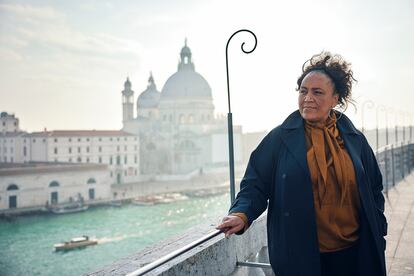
125	138
136	172
112	174
70	150
110	139
11	150
34	140
87	160
24	151
125	159
135	159
79	139
70	160
70	139
100	159
117	148
55	150
4	123
44	140
125	147
54	184
11	159
117	139
100	149
87	139
125	173
87	149
118	160
79	159
56	140
110	160
56	160
79	149
164	118
100	139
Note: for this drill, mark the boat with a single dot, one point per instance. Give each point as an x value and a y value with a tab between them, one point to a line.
69	208
158	199
77	242
115	203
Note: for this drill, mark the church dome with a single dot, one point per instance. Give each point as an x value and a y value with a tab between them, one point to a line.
186	82
150	97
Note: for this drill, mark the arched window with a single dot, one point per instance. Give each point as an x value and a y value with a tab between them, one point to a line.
12	187
91	180
54	184
191	118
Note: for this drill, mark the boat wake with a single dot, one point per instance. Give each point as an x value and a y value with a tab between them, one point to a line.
116	239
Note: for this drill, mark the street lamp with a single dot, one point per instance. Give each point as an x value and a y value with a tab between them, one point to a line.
229	114
369	104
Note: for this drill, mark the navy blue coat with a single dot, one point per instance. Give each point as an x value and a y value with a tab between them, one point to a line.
277	177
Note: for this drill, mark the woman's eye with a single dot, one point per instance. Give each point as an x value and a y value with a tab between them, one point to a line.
302	91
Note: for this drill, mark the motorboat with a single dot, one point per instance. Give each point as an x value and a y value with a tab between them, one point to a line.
77	242
68	208
115	203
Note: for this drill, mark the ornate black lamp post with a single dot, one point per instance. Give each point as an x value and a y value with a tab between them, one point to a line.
229	115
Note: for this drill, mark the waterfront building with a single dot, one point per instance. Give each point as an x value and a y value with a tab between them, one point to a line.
178	129
116	148
34	185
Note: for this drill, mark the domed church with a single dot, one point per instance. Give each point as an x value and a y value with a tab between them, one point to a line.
178	129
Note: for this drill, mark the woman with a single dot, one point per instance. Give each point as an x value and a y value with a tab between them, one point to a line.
321	183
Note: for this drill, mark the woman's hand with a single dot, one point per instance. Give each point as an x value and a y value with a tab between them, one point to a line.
231	224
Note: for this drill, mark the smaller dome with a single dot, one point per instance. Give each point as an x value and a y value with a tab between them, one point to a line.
150	97
185	51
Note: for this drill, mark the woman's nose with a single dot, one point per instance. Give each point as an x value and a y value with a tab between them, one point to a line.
308	98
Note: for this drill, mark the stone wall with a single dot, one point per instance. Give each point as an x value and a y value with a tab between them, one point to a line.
217	256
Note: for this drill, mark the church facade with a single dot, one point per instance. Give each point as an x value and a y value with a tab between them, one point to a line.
178	130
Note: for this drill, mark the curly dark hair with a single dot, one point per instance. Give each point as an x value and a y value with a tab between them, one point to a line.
337	69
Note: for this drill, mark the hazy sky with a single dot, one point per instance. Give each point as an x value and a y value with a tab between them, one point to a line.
63	63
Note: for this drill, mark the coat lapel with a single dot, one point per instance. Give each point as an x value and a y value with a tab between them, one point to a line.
294	138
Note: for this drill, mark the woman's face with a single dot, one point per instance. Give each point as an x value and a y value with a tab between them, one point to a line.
316	97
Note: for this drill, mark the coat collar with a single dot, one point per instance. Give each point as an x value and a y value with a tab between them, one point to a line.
294	137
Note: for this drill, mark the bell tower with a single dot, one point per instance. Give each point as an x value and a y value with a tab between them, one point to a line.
127	102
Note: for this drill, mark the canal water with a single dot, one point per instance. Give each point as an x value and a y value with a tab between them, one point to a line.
26	243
